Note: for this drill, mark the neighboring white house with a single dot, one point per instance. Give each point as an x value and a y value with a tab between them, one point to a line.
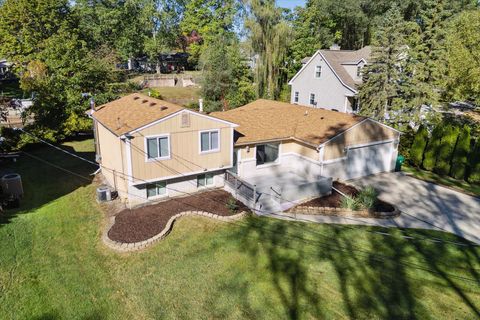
329	79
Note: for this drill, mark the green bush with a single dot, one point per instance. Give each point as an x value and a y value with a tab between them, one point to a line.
474	172
232	205
349	203
460	155
430	155
367	198
418	146
445	149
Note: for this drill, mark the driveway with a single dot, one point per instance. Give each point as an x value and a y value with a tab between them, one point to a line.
424	205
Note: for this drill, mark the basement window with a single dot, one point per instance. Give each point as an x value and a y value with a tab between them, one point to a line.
267	153
204	180
156	189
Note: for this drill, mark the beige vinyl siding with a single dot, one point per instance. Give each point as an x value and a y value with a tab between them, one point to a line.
185	157
300	149
112	152
366	132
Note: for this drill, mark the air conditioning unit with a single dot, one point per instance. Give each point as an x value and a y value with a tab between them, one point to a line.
104	194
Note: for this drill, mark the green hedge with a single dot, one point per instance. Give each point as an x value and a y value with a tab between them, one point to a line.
418	146
431	151
445	149
474	176
460	155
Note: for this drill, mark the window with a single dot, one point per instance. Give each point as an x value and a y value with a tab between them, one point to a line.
312	99
156	189
295	99
318	71
158	147
204	180
359	71
209	141
267	153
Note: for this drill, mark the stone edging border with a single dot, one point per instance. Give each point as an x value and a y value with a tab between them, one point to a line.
329	211
134	246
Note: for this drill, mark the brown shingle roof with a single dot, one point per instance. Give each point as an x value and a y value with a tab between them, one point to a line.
338	57
264	120
132	112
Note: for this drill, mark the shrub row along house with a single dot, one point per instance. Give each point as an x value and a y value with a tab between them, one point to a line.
267	153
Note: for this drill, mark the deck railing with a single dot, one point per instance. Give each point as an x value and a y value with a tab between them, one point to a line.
241	188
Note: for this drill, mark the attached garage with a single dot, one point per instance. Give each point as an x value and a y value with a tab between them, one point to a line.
370	159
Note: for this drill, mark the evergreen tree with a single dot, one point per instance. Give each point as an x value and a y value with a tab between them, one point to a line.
460	155
474	164
269	35
431	151
445	149
382	78
418	146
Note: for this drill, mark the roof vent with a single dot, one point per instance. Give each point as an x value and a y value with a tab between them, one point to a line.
163	108
153	104
136	98
144	101
322	118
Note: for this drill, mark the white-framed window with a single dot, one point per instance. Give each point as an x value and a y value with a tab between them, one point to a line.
204	180
295	97
158	147
209	141
359	71
312	99
318	71
266	153
156	189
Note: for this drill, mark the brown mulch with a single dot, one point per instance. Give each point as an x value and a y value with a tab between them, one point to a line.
145	222
334	200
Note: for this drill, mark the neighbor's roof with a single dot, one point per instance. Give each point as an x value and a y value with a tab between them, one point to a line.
338	58
265	120
132	112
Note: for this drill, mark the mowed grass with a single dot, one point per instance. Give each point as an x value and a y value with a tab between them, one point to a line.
53	264
459	185
179	95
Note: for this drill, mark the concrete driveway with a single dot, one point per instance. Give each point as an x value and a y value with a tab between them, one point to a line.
424	205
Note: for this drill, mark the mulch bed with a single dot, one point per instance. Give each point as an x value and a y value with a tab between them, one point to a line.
134	225
334	200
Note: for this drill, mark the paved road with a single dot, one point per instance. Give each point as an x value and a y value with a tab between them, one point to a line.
424	205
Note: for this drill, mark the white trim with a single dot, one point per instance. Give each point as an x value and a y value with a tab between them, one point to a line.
328	64
370	144
128	150
321	157
301	156
232	147
177	113
386	126
163	135
182	175
346	103
334	160
249	159
200	141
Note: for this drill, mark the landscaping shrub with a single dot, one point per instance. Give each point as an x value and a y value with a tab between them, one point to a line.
367	198
460	155
349	203
474	172
445	149
430	155
418	146
232	205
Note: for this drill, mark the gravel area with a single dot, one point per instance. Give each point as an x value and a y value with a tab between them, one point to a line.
134	225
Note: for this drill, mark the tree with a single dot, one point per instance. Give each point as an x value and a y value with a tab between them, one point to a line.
383	78
463	57
269	35
226	80
474	164
445	149
460	155
431	151
418	147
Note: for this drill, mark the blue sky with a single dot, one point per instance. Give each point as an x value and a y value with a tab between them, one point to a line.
290	3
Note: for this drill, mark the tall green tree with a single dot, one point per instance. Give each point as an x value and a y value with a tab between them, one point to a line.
269	34
460	155
431	151
445	149
474	164
383	77
418	146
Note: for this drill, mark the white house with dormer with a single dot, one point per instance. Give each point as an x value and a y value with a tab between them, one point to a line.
329	79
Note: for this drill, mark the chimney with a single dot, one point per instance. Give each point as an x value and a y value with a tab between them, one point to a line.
335	46
200	105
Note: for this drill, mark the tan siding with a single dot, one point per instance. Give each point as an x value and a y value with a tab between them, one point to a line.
112	157
365	132
300	149
185	156
247	155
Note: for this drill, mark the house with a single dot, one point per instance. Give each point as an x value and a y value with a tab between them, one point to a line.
330	79
269	153
144	145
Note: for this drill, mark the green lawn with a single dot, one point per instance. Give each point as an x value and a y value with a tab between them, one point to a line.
54	266
460	185
178	95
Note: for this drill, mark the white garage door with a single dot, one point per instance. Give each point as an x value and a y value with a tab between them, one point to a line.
367	160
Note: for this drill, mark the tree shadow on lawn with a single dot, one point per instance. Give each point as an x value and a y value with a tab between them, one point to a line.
365	274
43	183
